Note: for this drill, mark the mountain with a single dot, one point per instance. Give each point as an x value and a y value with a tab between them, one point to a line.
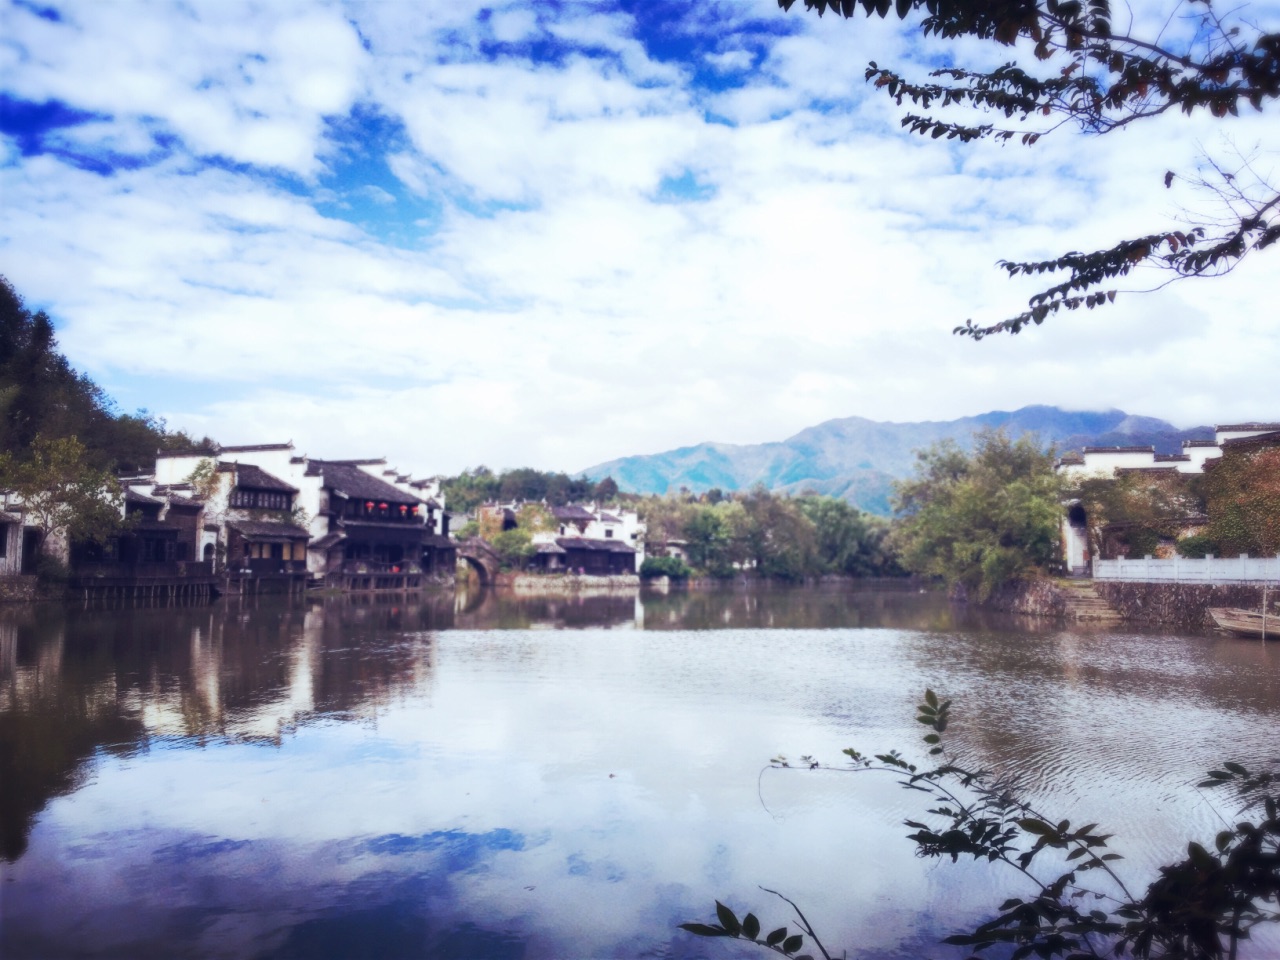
858	459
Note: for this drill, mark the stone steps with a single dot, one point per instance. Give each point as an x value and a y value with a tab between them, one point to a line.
1083	603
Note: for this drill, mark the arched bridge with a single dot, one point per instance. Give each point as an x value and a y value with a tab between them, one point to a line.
481	557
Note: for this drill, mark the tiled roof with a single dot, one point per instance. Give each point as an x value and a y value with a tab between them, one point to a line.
255	478
1119	449
1258	439
1232	427
257	447
609	518
1199	443
344	478
268	530
132	496
600	546
572	512
184	502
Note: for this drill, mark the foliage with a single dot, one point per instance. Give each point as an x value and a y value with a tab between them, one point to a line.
672	567
849	541
1242	499
204	479
983	519
1196	547
42	395
778	536
60	490
473	487
513	547
1132	512
1198	908
1090	73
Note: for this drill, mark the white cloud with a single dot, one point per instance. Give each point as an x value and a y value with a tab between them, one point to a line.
551	310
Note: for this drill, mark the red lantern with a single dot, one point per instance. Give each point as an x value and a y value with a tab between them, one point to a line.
413	511
403	509
382	506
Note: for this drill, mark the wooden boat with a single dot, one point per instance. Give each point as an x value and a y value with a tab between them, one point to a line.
1246	623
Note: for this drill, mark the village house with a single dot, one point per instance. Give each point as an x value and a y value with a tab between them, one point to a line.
1196	457
585	538
349	524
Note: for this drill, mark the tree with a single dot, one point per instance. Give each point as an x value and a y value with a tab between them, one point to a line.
1132	512
61	492
1242	498
983	519
1093	75
849	541
42	395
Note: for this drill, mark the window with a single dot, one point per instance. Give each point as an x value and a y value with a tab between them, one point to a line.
4	540
608	533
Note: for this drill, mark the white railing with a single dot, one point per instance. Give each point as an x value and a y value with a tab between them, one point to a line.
1182	570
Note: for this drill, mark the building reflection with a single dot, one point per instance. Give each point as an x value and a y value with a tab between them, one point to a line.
77	682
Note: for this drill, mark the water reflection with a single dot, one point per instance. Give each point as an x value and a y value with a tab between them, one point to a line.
494	776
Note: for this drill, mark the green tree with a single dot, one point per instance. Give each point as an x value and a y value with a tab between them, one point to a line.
779	538
1093	75
1132	512
42	395
61	492
848	541
983	519
1242	500
513	546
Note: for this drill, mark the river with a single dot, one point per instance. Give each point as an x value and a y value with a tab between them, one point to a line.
491	777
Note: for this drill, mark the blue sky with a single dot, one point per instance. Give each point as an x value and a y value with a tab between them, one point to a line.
557	233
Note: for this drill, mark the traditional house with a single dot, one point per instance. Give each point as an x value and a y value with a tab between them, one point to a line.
378	536
1196	457
353	524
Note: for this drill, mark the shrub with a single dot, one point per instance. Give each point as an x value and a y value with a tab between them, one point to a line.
672	567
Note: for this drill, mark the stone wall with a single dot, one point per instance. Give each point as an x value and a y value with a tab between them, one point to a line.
1180	604
532	583
1033	598
17	589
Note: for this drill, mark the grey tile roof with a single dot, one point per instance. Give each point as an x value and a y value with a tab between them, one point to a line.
268	530
255	478
350	480
599	546
572	511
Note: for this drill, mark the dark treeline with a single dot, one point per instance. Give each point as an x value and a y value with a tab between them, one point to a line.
478	485
42	395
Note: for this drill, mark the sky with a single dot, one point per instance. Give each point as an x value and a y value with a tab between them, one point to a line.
552	234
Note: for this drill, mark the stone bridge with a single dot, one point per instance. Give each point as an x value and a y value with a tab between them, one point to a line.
481	557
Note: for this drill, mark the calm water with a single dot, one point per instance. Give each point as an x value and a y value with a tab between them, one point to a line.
556	778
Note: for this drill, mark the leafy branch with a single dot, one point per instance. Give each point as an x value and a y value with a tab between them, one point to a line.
1097	77
1199	908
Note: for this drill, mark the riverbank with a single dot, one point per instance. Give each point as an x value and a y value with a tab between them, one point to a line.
1181	605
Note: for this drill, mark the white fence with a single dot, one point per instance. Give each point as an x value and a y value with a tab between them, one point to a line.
1182	570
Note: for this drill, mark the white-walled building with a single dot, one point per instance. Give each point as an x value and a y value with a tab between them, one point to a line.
1107	461
361	523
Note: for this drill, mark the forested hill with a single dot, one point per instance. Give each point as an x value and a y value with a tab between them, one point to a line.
42	394
858	459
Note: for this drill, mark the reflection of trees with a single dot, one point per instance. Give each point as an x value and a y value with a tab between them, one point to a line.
503	610
76	681
900	606
48	732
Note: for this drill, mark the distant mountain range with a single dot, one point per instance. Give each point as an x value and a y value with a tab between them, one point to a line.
858	459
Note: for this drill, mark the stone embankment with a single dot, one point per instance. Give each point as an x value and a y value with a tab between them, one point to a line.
1182	605
1061	599
531	584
